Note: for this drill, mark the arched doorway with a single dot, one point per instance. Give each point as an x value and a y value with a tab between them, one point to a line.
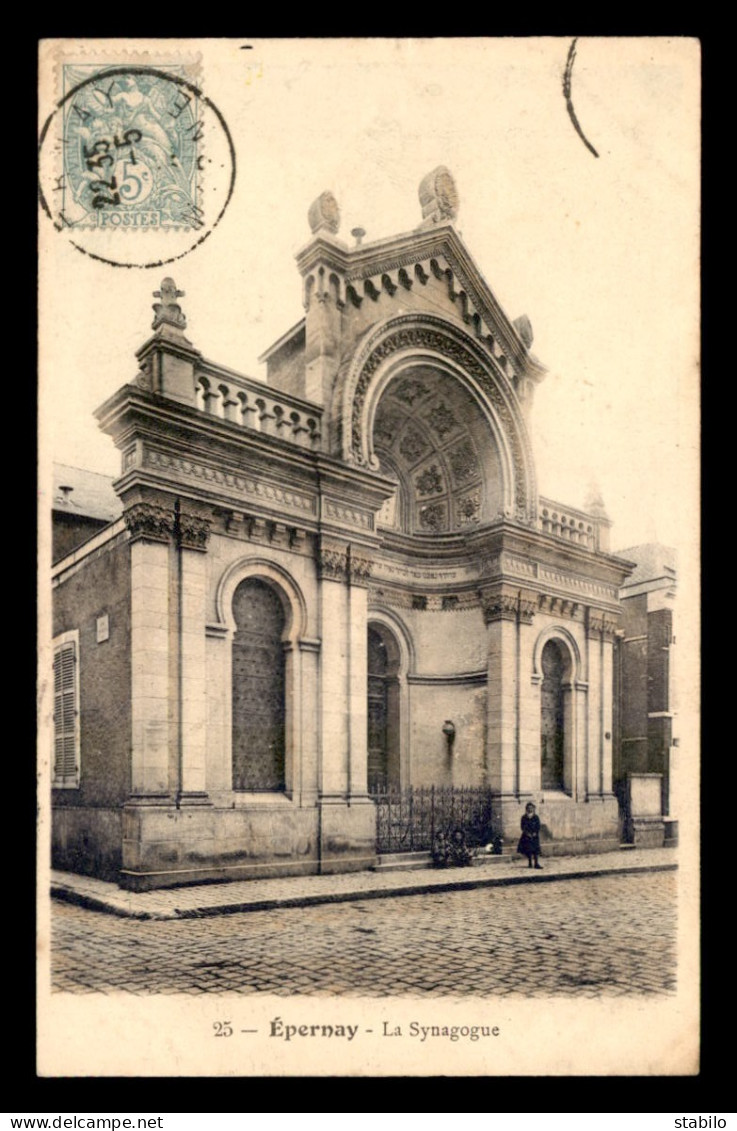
552	721
258	688
383	709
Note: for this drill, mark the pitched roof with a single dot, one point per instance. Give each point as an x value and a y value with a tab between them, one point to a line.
654	562
85	493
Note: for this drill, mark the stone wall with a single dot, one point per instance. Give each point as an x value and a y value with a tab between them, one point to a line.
86	825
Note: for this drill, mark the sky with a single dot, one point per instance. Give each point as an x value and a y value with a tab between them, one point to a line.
601	253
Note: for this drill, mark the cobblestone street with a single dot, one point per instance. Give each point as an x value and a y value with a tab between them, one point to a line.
606	934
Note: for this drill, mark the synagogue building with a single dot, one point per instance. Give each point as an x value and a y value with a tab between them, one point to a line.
332	606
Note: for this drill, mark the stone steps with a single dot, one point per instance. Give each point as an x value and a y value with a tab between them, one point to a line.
402	861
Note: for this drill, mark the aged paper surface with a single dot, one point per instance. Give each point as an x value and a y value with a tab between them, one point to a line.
586	221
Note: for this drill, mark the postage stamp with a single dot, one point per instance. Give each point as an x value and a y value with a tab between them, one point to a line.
132	148
136	163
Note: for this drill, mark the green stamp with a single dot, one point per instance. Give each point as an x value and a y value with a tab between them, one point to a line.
132	156
136	164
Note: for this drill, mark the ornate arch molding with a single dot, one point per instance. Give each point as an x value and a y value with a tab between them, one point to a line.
411	339
571	652
286	588
381	615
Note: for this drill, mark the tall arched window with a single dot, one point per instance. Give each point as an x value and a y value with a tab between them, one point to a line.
552	727
383	708
258	688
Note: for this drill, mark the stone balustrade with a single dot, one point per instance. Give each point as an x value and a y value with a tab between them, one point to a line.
570	524
256	406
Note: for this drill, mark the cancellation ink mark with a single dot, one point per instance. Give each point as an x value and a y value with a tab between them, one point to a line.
191	221
567	96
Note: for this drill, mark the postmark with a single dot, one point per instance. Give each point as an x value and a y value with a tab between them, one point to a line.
136	164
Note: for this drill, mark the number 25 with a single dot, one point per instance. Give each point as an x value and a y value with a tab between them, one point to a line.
222	1029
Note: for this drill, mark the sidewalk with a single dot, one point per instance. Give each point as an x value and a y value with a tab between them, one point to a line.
225	898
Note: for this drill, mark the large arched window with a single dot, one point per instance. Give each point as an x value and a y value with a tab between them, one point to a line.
383	708
552	725
258	688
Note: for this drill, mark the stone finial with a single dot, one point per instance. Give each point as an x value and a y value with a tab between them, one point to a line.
523	326
168	312
324	214
438	196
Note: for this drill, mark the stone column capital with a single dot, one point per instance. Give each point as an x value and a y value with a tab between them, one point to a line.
194	531
332	559
341	561
149	522
360	565
505	602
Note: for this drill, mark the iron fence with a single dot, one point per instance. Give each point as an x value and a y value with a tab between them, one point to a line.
409	820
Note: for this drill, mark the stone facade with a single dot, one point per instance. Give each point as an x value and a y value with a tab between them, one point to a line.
381	479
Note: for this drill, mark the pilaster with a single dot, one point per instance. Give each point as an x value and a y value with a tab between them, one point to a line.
334	691
150	658
600	628
507	613
193	674
169	685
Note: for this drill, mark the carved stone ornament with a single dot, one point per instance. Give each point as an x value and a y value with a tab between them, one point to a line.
413	445
168	312
469	507
503	605
602	624
438	196
463	462
433	517
332	560
146	520
430	482
442	420
559	606
523	326
337	561
360	566
324	214
442	342
194	531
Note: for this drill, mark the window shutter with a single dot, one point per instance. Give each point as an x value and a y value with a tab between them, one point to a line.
66	765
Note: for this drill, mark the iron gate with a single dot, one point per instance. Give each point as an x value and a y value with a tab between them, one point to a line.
408	820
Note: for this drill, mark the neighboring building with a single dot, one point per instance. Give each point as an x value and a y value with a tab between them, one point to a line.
331	585
645	678
84	503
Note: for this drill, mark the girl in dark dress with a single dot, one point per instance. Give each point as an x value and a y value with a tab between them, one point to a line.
529	842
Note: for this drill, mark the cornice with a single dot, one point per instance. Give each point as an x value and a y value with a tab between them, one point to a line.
409	248
187	433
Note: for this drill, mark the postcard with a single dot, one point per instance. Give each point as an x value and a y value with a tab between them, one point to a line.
368	431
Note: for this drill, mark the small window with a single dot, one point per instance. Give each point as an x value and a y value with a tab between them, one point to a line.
66	712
